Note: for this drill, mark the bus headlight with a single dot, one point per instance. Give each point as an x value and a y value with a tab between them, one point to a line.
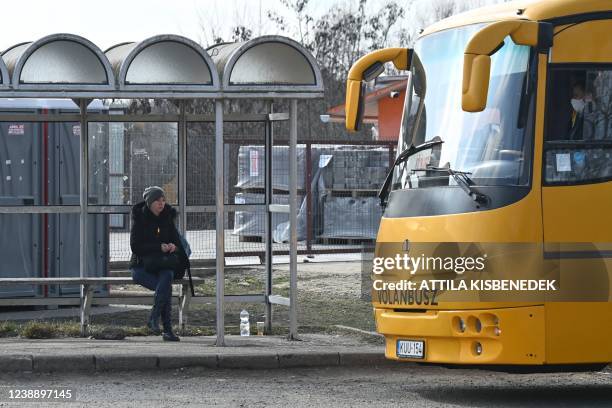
474	324
459	324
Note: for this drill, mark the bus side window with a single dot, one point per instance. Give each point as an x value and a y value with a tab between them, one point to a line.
578	140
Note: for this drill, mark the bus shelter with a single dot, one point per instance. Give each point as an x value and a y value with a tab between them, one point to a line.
165	67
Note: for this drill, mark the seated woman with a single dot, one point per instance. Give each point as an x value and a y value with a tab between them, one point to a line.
157	255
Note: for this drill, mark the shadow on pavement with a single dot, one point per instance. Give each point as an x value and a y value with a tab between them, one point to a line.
523	396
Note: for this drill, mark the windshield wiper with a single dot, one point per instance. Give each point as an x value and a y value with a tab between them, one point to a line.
383	193
463	180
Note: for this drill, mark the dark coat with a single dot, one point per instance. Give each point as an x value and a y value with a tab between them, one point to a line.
149	232
575	129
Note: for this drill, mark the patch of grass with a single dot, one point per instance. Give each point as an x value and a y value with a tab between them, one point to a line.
316	313
279	280
234	285
69	329
108	333
39	330
9	329
199	331
48	329
136	331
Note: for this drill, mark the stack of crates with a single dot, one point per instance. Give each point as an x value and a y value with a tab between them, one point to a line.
348	179
250	226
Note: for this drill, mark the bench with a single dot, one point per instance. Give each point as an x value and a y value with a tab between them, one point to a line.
87	295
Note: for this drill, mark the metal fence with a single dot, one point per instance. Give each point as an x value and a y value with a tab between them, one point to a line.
337	191
338	207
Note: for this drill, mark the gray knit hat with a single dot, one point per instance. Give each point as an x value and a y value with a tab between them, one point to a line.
152	193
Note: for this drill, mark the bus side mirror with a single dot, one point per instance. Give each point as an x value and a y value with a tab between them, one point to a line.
476	72
486	42
354	104
368	68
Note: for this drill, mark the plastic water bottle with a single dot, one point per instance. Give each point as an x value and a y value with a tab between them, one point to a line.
245	328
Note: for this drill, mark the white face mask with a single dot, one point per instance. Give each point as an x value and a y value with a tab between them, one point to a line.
578	105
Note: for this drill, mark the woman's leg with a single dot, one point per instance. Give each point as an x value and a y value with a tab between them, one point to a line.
164	289
144	278
151	282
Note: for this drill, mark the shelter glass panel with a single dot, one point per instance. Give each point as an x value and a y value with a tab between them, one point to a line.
109	243
47	245
21	248
64	243
244	162
39	163
201	235
200	179
142	106
126	157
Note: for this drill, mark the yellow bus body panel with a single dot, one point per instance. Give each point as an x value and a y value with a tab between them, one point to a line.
521	340
562	216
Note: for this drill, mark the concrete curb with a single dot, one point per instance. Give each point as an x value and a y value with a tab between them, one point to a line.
143	361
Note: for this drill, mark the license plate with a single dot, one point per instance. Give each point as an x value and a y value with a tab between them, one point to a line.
411	348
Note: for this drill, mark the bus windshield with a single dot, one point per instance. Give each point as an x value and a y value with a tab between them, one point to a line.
489	146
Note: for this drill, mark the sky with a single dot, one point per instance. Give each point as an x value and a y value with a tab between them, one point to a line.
109	22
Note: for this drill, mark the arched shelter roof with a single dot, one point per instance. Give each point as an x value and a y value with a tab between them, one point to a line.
163	62
58	62
269	62
4	75
163	66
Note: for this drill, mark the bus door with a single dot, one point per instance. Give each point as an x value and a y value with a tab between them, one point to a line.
577	183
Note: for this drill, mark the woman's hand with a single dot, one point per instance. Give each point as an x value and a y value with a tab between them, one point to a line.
168	248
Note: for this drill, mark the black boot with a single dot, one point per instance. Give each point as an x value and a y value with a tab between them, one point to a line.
166	315
153	322
169	336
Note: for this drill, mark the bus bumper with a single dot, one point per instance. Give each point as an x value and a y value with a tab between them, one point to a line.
487	336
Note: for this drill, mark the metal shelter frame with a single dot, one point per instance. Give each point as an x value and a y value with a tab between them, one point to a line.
71	67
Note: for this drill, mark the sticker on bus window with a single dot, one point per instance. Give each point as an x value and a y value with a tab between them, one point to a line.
579	158
564	162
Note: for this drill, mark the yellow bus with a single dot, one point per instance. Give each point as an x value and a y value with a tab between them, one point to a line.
505	148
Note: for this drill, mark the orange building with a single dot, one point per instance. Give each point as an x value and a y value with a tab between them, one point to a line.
383	107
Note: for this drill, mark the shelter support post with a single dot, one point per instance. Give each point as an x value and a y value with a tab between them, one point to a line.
184	295
84	184
183	307
293	328
269	142
308	195
182	176
220	222
86	298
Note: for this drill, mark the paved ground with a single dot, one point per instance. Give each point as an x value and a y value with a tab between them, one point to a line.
151	353
406	385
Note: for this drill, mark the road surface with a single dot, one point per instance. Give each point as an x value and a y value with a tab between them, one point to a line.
407	385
